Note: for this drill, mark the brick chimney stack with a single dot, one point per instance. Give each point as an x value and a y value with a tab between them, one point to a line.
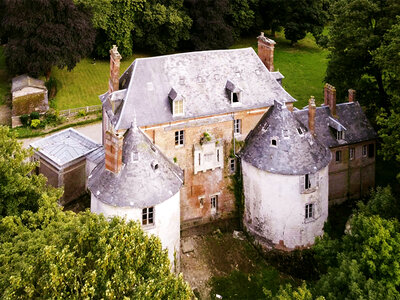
113	151
312	108
330	97
266	51
115	60
352	95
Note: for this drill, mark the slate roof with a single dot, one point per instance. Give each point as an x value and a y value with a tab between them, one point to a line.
349	117
64	147
140	183
200	78
23	81
294	154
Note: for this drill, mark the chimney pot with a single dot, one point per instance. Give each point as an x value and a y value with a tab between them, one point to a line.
352	95
266	51
311	114
115	60
330	97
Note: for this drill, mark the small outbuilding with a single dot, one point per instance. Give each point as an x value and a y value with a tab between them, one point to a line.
28	95
63	160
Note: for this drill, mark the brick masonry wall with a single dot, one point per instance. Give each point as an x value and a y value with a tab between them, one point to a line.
351	179
211	182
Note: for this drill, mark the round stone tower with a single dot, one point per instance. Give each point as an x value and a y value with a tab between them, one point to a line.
146	189
285	180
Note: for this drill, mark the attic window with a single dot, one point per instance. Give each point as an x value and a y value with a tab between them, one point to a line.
299	130
235	97
178	107
273	142
154	165
340	135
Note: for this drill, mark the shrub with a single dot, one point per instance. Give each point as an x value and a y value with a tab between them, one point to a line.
35	123
52	87
53	118
24	120
34	115
82	113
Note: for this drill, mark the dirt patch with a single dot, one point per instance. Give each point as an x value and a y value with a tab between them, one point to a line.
5	115
216	254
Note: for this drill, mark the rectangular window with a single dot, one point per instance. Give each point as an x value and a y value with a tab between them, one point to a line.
178	107
338	156
352	152
340	135
148	216
232	165
214	204
371	150
235	97
364	150
309	211
236	126
217	155
307	182
179	136
201	201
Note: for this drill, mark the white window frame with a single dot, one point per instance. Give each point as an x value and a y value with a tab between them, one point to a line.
178	109
340	135
232	165
237	126
309	211
148	216
179	138
239	96
364	150
352	153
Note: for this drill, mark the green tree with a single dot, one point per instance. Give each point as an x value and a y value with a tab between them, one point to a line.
382	203
153	25
241	16
366	264
303	16
61	255
162	25
355	34
45	33
388	57
20	188
287	292
210	29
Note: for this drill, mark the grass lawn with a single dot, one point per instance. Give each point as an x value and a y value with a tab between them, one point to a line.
84	83
303	66
4	80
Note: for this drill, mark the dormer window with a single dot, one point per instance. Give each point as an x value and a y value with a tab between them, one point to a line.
299	130
177	107
177	103
340	135
274	142
234	92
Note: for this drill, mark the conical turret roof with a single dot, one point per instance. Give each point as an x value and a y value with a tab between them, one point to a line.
281	144
147	177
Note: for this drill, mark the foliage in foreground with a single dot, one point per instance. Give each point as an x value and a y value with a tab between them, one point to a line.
363	264
56	254
20	189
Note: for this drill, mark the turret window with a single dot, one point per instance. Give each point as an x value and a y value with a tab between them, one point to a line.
148	216
309	213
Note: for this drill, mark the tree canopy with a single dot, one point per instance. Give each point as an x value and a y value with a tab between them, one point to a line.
20	188
57	254
45	33
355	34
